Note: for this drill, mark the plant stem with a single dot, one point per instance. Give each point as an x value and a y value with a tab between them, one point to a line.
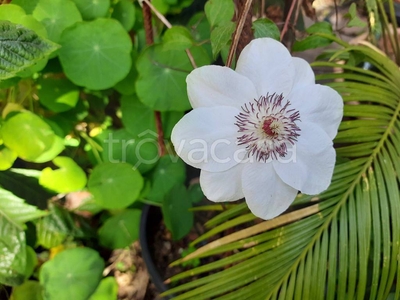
287	21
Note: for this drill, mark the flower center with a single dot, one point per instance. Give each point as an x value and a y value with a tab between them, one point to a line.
267	126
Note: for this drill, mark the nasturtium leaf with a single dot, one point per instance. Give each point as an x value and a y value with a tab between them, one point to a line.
92	9
161	5
27	5
12	252
78	269
127	85
120	230
106	290
27	134
219	12
68	178
56	15
141	151
177	38
169	171
115	185
175	209
200	30
57	94
96	54
7	158
124	11
266	28
58	144
161	83
20	48
29	290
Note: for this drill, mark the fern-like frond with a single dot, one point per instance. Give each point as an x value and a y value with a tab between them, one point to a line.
342	244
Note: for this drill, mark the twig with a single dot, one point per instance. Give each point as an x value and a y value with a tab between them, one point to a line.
148	28
238	32
287	21
169	25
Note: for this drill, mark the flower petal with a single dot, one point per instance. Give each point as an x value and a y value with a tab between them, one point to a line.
269	65
304	74
222	186
216	85
205	138
266	194
310	167
319	104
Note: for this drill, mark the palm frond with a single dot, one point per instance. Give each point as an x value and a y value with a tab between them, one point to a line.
341	244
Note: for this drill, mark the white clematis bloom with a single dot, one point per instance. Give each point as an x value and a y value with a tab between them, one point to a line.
263	131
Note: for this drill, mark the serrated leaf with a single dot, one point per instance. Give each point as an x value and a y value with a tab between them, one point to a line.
12	252
266	28
354	20
221	36
16	211
79	269
320	27
219	12
311	42
20	48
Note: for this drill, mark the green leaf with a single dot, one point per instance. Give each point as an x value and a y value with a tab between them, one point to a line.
175	209
28	135
57	94
219	12
177	38
56	16
115	185
126	86
68	178
29	290
16	211
12	251
141	151
7	158
221	36
320	27
120	230
79	269
20	48
310	42
106	290
27	5
92	9
166	70
124	11
195	193
265	28
168	172
354	20
109	46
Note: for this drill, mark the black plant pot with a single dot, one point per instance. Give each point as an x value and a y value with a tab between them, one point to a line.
149	225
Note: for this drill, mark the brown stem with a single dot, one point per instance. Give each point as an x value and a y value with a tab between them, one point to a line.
238	31
287	21
148	28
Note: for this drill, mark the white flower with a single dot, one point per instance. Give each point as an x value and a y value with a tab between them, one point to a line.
263	132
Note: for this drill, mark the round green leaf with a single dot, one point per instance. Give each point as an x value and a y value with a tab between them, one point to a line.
161	84
177	38
136	116
92	9
68	178
56	15
121	230
29	290
28	135
72	274
58	94
115	185
126	86
107	289
56	147
7	158
140	151
124	12
96	54
27	5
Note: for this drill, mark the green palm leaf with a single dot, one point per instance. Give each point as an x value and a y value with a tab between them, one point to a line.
342	244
